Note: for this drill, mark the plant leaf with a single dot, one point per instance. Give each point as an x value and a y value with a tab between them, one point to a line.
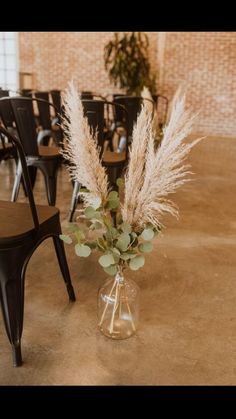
113	195
72	227
91	244
65	238
97	225
89	212
111	270
101	244
127	256
106	260
96	202
107	222
146	247
120	182
126	228
123	242
147	234
136	263
113	204
82	250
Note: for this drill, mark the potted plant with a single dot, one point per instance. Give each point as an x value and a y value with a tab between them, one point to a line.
152	175
127	62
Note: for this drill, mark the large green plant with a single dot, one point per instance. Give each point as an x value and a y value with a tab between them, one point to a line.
127	62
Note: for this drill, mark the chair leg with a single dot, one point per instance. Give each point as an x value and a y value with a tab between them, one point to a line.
32	173
51	188
16	186
12	301
61	257
74	200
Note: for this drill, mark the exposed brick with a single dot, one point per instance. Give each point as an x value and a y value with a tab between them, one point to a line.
205	61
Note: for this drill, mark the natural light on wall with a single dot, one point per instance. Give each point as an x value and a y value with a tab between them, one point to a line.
8	61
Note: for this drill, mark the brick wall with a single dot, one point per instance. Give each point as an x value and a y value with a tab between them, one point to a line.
205	62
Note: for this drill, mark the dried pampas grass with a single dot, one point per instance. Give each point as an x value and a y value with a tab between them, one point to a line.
149	102
81	149
154	174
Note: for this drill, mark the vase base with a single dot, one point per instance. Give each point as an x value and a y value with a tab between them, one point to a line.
118	332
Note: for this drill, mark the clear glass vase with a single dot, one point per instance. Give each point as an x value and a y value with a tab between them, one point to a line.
118	307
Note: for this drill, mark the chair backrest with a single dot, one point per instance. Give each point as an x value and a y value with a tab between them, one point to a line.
25	174
94	110
44	109
4	93
86	95
161	102
27	92
133	106
23	112
56	99
6	113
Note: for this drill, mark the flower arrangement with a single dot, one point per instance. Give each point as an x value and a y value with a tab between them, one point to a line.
125	228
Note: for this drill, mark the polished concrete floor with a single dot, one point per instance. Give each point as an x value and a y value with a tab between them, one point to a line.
187	333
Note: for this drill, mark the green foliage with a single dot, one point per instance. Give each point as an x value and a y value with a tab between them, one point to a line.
66	239
120	244
127	62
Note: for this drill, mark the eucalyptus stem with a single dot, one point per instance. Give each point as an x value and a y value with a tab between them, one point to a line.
105	309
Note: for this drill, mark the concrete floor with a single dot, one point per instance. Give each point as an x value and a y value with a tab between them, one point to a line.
188	295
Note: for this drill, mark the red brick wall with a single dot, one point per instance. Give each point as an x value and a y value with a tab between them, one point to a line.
206	62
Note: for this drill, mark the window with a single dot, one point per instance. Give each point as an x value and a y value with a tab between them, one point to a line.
8	61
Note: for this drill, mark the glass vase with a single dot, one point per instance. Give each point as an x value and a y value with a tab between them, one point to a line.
118	307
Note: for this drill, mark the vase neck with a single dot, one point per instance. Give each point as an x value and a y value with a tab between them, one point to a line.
120	276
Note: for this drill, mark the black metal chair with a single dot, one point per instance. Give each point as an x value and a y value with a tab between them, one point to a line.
48	125
114	162
132	105
23	227
27	92
45	158
7	119
162	105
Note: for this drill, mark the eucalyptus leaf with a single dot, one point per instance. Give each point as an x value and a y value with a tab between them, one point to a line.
126	228
106	260
72	227
127	256
147	234
114	232
96	203
113	195
136	263
91	244
119	219
113	204
83	189
97	225
79	235
123	242
146	247
89	212
82	250
107	222
111	270
120	182
101	244
116	251
66	239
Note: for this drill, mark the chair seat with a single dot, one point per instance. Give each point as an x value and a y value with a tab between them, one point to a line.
16	220
6	145
111	157
48	151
